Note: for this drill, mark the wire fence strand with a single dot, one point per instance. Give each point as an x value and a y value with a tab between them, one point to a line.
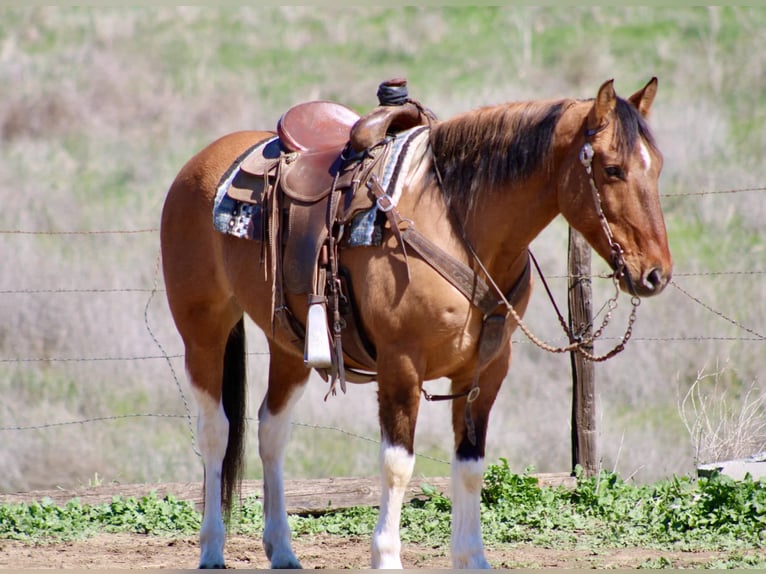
712	192
716	312
80	232
755	335
156	229
187	416
157	289
82	290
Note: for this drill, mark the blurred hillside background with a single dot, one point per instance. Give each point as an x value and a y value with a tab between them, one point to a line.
101	107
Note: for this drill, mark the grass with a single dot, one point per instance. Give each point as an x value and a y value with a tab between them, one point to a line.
694	243
601	512
148	515
109	103
724	416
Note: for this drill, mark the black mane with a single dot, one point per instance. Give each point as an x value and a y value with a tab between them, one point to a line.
491	146
479	150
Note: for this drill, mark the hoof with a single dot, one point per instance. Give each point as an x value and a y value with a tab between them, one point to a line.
473	563
289	565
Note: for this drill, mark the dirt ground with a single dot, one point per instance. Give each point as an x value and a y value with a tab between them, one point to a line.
136	551
116	551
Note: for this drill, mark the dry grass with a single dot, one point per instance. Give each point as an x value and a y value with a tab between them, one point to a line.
107	104
725	419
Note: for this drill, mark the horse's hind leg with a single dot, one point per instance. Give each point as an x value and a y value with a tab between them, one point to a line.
287	380
468	469
212	431
215	363
212	328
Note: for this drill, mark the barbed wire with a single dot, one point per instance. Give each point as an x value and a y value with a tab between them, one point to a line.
144	290
82	290
80	232
87	359
713	273
52	425
105	359
712	192
169	416
657	339
578	276
167	357
757	336
716	312
157	229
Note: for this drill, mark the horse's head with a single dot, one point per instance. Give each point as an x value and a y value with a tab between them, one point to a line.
612	196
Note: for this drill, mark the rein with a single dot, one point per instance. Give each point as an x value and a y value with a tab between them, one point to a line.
576	341
618	262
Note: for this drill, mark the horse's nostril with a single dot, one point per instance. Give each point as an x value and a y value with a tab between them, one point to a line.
653	279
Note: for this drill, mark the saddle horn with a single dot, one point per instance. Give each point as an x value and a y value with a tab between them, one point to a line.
396	113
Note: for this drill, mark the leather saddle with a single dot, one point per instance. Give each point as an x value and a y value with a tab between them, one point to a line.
321	146
316	125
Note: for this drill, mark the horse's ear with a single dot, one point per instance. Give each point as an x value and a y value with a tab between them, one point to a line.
606	100
644	97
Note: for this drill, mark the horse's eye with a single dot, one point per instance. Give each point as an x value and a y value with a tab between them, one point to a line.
614	171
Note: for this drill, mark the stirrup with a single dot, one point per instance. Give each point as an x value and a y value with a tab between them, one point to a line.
316	350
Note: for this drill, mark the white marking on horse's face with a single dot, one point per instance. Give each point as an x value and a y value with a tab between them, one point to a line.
645	156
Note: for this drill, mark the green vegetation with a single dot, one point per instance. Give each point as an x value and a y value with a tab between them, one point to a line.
149	515
713	513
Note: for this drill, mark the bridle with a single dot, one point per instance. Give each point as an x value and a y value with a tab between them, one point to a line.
577	341
586	159
617	260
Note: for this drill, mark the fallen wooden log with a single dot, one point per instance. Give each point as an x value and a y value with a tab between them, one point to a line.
302	496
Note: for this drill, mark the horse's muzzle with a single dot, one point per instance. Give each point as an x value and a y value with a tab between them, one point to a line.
652	282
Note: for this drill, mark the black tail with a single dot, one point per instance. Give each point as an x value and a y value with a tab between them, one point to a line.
234	405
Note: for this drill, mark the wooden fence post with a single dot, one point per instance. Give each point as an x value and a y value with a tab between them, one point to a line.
584	447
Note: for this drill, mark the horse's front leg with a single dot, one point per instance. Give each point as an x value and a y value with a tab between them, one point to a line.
287	380
468	467
398	400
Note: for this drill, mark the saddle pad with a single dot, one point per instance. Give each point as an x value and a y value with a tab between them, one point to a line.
407	152
233	210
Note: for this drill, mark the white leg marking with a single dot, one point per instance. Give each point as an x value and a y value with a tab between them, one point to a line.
645	156
273	436
213	435
396	466
467	545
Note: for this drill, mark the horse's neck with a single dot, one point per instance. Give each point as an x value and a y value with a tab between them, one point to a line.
502	229
503	226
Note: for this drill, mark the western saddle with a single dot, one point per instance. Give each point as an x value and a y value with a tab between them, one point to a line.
305	187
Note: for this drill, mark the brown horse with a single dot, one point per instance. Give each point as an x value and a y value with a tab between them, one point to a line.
490	181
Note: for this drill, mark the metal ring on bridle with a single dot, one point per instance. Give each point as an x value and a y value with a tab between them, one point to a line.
586	156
